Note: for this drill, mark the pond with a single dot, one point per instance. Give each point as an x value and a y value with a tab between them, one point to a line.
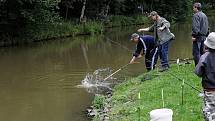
37	82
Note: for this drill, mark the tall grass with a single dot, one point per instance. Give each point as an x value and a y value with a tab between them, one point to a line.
63	29
38	32
120	20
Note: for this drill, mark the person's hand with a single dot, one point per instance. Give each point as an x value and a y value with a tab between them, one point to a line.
161	28
140	56
134	62
131	62
193	39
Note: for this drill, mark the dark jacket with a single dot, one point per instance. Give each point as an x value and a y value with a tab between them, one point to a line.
146	44
206	69
199	25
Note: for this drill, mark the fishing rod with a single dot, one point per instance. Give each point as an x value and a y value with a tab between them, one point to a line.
184	82
176	60
129	50
117	43
116	71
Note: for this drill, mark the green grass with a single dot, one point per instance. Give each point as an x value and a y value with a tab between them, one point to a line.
41	32
125	102
63	29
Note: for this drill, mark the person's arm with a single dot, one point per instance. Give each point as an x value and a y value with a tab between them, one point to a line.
150	29
165	24
143	29
195	26
134	59
199	70
137	52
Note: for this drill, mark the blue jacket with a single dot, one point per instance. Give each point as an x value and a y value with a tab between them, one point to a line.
145	44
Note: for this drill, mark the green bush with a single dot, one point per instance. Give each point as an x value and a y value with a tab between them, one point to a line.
98	101
121	20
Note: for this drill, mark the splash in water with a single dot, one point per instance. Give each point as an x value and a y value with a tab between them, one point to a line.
94	83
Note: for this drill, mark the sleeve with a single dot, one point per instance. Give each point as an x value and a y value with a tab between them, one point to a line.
166	24
195	26
138	50
199	70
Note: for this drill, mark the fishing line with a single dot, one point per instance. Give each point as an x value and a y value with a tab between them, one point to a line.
129	50
184	82
173	61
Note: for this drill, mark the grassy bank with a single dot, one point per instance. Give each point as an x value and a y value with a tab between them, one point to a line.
41	32
125	102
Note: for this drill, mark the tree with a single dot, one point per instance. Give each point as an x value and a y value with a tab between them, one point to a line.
82	17
68	4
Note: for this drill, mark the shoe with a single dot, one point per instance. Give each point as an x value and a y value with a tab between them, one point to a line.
163	69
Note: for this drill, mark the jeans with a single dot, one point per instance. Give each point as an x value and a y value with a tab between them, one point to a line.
163	51
198	50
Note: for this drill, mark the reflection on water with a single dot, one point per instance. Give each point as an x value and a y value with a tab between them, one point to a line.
37	82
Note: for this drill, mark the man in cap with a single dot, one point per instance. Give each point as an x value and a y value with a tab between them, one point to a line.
162	36
199	31
145	45
206	69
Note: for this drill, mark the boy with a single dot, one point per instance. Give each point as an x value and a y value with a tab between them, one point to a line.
206	69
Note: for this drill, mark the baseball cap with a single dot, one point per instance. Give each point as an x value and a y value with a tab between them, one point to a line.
153	13
134	35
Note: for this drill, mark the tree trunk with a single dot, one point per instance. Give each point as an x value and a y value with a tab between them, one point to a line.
66	12
107	9
82	11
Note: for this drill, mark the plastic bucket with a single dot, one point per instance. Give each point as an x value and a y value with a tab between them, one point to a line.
163	114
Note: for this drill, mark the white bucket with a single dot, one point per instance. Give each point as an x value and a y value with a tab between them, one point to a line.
163	114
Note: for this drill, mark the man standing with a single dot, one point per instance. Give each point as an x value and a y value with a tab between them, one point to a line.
199	31
205	69
162	36
146	45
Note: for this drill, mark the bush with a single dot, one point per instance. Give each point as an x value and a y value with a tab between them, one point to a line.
98	101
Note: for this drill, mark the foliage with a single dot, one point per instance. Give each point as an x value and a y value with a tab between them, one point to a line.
125	102
125	21
38	32
17	15
92	27
43	11
98	101
172	10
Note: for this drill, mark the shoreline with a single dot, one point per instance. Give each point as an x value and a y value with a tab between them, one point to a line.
124	103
